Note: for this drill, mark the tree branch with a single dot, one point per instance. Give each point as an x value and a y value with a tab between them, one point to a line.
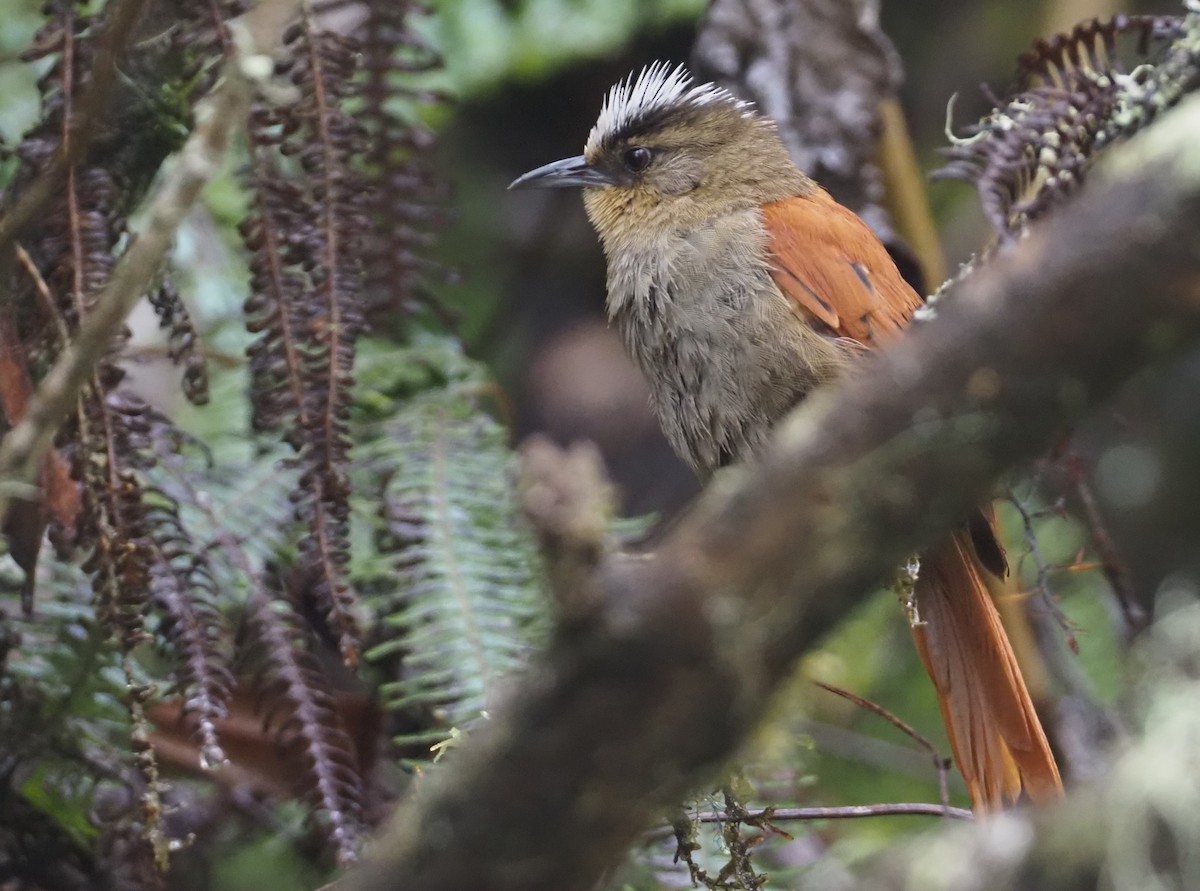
941	763
644	703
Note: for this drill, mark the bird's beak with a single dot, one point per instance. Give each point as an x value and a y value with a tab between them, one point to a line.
567	173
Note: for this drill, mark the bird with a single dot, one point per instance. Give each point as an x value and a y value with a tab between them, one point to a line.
738	285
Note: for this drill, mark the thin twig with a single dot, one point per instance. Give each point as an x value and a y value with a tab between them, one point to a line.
1044	568
843	812
197	163
1111	564
762	819
940	763
43	292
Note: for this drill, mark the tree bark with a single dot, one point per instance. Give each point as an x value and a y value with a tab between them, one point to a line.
820	69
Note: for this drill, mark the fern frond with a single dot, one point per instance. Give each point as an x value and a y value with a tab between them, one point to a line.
1090	49
157	573
325	67
307	722
464	607
121	553
37	844
145	567
404	201
61	662
72	251
183	596
238	511
183	343
306	301
1075	97
65	727
242	515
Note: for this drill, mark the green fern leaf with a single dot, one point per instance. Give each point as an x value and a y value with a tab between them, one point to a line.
464	605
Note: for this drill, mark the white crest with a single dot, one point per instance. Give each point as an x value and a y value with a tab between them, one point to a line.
657	87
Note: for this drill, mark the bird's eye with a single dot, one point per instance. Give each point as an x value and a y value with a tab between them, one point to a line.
637	158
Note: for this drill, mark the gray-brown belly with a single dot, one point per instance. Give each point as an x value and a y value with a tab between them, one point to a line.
724	352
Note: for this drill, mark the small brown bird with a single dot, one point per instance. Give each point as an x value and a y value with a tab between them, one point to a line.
739	285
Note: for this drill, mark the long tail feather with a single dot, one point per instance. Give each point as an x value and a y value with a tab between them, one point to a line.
995	735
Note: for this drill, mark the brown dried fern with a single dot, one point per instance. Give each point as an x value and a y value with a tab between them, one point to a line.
140	558
184	597
1073	98
342	207
183	343
299	706
305	301
404	203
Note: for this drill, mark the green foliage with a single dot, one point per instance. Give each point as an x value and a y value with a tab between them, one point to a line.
65	726
492	41
17	82
463	605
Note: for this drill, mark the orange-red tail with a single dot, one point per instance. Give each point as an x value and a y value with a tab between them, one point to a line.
994	731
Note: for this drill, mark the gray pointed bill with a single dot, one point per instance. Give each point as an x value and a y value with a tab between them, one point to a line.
567	173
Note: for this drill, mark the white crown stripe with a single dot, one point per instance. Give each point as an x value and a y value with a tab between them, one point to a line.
656	88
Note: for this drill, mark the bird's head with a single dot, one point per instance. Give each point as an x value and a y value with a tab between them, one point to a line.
667	154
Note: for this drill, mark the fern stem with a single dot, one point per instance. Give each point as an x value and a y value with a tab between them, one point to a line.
441	472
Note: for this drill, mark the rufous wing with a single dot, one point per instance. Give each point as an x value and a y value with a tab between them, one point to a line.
836	269
843	282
